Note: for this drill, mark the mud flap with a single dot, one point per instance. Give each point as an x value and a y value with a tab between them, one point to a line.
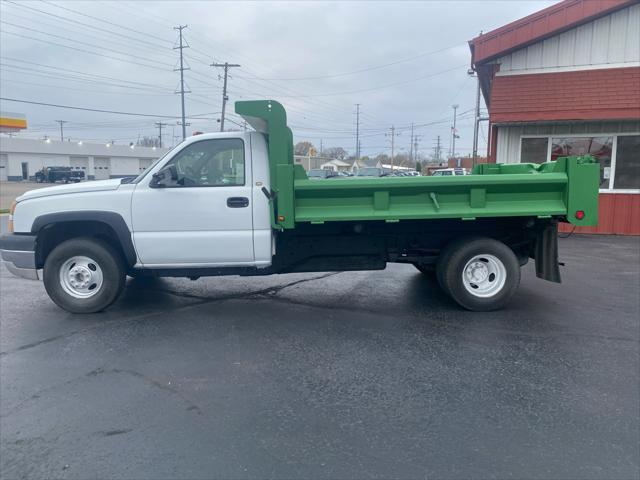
546	254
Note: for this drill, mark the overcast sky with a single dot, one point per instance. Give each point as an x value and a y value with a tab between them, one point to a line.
403	62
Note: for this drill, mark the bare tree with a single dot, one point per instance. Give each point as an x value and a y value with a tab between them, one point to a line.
148	142
304	148
335	152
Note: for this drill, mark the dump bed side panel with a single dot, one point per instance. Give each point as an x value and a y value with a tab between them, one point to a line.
545	190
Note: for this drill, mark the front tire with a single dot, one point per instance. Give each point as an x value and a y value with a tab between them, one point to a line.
84	275
480	274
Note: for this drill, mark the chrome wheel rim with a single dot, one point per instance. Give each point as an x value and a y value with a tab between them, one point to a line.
81	277
484	276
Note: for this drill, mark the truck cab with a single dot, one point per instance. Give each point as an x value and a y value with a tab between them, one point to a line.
205	195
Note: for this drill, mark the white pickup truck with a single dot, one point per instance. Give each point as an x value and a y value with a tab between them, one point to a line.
236	204
215	218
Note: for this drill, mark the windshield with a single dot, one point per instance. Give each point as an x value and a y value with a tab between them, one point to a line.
369	172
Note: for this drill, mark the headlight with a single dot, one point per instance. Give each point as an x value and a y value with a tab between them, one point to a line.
11	210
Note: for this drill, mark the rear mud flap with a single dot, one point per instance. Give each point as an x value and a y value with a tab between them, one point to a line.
546	254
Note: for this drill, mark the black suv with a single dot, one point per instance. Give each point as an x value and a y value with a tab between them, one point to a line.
59	174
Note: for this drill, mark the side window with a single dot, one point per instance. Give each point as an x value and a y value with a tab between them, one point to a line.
628	162
211	163
534	150
599	147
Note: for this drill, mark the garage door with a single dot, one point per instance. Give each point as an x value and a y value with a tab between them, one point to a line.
144	164
4	166
81	164
102	168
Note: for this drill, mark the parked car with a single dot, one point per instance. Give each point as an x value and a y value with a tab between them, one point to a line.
449	171
372	172
59	174
319	173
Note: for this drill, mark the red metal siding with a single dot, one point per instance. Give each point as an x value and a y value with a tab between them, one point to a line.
618	213
540	25
602	94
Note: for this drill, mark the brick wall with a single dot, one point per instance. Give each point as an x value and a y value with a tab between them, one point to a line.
602	94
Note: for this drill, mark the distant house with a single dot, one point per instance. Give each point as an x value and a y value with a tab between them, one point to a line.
336	165
365	162
309	162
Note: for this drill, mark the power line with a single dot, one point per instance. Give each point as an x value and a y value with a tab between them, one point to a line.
102	20
367	69
92	27
115	112
83	50
121	80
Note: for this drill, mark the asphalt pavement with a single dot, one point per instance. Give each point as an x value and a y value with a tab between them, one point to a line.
336	375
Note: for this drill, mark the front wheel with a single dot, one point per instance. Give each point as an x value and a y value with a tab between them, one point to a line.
480	274
84	275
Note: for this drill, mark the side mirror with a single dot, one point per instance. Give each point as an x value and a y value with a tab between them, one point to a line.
165	176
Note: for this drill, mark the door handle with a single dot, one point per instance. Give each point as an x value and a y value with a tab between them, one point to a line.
237	202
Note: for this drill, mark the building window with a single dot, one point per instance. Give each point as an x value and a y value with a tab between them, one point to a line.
619	166
627	174
599	147
534	150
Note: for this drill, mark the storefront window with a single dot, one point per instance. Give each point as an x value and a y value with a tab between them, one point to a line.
627	173
599	147
534	150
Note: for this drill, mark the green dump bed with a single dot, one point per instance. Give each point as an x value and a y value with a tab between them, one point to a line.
567	187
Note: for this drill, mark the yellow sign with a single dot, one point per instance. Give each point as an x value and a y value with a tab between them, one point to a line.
12	121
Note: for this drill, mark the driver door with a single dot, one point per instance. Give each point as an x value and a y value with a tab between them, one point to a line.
203	216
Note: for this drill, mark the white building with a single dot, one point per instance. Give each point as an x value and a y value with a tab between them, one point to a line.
21	158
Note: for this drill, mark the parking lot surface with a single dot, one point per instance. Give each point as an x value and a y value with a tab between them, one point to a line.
336	375
10	190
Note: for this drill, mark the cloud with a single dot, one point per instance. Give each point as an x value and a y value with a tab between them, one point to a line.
119	56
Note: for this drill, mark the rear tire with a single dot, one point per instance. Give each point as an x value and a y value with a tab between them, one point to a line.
84	275
480	274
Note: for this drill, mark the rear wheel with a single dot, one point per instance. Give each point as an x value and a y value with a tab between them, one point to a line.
84	275
480	274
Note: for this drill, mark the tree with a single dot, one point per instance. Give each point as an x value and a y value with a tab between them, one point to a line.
335	152
382	158
418	167
304	148
148	142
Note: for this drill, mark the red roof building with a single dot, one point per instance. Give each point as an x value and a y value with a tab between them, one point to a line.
566	80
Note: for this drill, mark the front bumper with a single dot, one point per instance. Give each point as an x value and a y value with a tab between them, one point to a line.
18	253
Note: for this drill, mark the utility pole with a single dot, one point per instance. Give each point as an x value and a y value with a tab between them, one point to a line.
454	134
393	135
357	131
436	150
320	147
182	68
160	125
411	144
415	148
226	66
61	122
